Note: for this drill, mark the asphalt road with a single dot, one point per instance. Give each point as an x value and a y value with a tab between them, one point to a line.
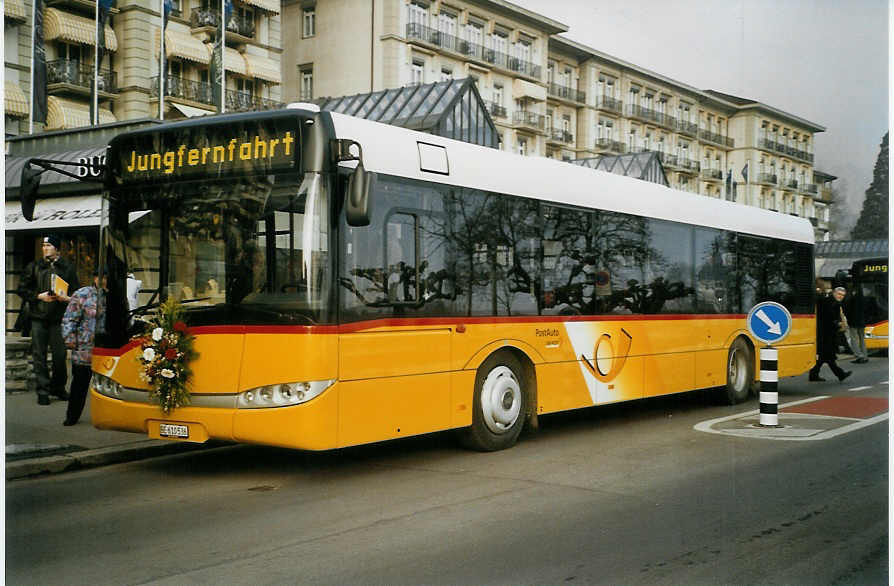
625	494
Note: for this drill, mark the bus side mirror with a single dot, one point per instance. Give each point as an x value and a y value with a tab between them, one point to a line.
357	206
28	189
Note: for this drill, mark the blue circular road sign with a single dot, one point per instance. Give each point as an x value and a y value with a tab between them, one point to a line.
769	322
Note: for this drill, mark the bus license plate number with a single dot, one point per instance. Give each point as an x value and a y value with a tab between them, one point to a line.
170	430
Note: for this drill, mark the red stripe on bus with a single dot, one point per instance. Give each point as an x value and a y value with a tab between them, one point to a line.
425	321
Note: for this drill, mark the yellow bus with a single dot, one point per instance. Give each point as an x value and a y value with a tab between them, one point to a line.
350	282
870	281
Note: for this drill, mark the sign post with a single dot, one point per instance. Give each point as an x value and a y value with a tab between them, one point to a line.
769	322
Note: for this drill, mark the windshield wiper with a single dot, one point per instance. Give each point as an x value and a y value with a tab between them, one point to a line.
151	305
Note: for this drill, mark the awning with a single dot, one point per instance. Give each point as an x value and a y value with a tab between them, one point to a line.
64	114
526	89
184	46
56	212
190	111
234	61
263	68
14	101
14	167
271	6
830	267
15	9
76	29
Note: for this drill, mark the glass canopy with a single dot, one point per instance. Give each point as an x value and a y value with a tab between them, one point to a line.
452	108
645	166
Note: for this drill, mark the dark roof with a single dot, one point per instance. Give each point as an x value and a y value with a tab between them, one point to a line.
645	166
451	108
731	98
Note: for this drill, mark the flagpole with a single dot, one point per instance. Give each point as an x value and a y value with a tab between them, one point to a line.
223	57
161	64
95	96
31	74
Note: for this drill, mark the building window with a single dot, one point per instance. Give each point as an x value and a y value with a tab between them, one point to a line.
307	83
475	32
418	14
523	146
417	72
446	74
310	22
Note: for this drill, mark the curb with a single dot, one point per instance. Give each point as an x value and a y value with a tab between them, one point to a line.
97	457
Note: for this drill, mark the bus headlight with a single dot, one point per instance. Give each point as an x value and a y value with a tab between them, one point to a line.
282	394
106	386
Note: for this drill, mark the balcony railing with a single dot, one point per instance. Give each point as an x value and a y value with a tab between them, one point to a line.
203	93
202	17
607	144
770	144
810	187
609	103
563	136
650	115
80	74
685	127
186	89
565	92
712	174
453	43
496	109
767	178
529	119
715	138
792	184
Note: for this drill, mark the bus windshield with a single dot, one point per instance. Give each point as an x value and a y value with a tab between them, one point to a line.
247	251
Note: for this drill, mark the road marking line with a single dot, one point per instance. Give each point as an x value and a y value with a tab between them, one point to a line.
855	389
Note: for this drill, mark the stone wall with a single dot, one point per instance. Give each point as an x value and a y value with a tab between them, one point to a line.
19	370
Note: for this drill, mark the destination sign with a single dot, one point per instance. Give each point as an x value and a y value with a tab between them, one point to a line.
877	268
251	146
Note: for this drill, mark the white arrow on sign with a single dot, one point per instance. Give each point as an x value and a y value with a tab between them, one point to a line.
774	326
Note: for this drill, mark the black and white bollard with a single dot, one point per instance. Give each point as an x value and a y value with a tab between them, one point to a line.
769	393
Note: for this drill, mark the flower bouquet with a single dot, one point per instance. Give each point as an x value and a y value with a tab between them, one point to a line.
166	349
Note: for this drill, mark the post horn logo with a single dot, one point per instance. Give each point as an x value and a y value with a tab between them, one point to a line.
607	363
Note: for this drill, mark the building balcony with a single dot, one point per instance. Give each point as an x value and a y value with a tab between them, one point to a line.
496	110
185	89
566	93
78	76
650	115
688	128
611	146
809	188
712	174
609	104
204	18
237	101
530	120
766	178
432	36
560	136
713	137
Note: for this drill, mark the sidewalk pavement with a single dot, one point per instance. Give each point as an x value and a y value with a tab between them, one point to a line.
37	443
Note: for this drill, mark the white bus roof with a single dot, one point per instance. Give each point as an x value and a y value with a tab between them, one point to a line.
396	151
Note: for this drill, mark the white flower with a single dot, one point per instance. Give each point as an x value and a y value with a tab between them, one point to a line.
157	333
167	373
148	354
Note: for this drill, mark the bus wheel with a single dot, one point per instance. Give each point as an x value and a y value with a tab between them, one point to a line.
499	411
739	372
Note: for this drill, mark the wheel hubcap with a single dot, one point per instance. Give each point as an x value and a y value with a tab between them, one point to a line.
501	399
737	369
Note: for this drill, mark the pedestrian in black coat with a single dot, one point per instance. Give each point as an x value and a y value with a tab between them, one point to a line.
828	323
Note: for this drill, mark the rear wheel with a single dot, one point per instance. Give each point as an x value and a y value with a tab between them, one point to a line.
739	372
499	404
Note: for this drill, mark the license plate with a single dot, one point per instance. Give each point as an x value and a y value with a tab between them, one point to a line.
170	430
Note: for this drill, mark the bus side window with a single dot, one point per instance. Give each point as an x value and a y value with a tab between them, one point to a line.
401	258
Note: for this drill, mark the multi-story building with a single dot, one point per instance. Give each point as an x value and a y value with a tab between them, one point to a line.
551	96
129	72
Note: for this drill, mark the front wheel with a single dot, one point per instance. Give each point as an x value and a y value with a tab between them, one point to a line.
499	404
739	372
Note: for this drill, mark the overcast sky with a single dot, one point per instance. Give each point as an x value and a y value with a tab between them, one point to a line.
822	60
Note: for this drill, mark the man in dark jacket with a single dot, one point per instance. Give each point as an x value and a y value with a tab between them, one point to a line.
856	327
47	309
828	322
